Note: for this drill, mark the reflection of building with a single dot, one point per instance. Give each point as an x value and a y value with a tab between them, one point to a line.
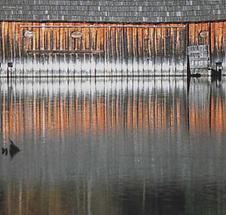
98	145
207	107
84	198
53	108
74	198
89	107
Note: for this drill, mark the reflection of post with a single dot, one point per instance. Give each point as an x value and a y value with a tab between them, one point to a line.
188	84
89	195
210	109
144	194
1	115
187	102
9	91
7	73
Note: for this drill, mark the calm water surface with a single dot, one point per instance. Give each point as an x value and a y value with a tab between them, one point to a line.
112	146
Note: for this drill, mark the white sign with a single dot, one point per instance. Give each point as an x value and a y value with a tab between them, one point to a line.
198	56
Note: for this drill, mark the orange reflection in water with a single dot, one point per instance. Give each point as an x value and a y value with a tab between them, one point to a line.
27	199
83	109
207	113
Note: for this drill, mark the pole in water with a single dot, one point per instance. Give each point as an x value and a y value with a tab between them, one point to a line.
7	73
188	67
9	65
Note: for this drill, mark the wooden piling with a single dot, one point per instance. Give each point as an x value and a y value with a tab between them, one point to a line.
187	44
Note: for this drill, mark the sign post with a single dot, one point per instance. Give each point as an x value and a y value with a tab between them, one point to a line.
199	58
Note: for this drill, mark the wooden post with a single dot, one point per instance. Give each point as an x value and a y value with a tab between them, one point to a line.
210	43
9	68
187	44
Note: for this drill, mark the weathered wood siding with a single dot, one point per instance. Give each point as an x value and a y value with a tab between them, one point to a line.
105	49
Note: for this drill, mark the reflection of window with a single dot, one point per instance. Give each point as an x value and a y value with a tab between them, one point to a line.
76	34
28	34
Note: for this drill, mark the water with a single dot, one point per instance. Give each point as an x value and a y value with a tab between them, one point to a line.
113	146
